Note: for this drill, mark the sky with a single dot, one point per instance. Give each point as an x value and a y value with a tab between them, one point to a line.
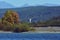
19	3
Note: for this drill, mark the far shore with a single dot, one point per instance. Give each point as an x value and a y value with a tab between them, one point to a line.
6	32
30	32
38	30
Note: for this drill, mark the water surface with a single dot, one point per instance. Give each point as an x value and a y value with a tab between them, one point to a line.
29	36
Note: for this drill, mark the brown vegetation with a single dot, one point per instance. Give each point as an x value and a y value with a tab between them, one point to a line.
10	22
11	17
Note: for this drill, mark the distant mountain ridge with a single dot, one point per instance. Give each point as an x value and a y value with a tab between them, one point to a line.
49	4
37	13
5	5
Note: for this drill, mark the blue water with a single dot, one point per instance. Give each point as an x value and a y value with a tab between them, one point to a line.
29	36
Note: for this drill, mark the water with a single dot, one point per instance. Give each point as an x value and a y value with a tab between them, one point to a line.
29	36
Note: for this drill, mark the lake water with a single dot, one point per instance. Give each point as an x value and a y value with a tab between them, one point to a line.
29	36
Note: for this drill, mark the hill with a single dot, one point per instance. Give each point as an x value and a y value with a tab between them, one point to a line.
53	22
37	13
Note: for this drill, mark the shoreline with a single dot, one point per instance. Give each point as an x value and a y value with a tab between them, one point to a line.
38	30
29	32
41	32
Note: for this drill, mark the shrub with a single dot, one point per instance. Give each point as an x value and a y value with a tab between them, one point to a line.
1	26
21	27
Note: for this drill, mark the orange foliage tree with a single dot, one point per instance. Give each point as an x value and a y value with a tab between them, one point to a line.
11	17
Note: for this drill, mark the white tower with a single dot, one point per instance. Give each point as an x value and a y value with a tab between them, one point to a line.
30	20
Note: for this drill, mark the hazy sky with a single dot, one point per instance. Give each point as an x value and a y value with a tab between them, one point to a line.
18	3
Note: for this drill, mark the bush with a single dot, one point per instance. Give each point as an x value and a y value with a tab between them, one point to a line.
1	26
7	28
21	28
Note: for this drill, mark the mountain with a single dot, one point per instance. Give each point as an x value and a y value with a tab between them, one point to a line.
36	13
5	5
49	4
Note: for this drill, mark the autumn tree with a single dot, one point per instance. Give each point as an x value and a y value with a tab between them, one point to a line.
11	17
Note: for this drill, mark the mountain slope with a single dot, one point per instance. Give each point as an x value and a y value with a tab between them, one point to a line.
37	13
5	5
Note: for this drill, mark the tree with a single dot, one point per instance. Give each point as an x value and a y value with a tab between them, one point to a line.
11	17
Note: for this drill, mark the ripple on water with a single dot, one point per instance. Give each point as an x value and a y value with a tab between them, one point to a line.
30	36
